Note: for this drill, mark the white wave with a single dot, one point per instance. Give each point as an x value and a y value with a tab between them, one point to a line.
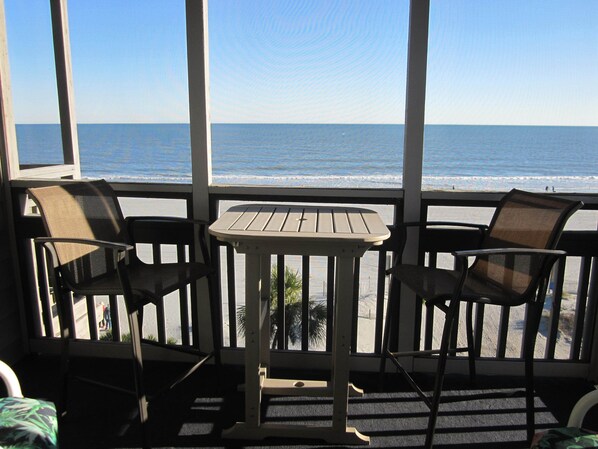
139	178
475	183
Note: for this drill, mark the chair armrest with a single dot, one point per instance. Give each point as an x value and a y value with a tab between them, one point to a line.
157	218
425	224
116	249
514	251
115	246
545	257
463	256
11	381
130	221
402	228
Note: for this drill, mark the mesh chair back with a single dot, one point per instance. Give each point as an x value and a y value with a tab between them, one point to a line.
82	210
522	220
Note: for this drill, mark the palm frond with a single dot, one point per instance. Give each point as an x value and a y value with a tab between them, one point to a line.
293	285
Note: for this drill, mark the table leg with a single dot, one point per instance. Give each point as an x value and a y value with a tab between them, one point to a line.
257	343
252	340
265	312
341	348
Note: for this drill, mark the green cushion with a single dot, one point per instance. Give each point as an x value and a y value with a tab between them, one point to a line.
565	438
28	423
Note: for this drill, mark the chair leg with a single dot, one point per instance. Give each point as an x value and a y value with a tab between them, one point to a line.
134	321
529	397
64	376
66	333
470	343
216	329
140	321
390	313
442	358
534	313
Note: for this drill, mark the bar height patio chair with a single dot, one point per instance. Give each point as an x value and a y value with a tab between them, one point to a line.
93	253
511	268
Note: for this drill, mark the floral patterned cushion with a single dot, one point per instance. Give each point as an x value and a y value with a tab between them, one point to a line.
565	438
28	423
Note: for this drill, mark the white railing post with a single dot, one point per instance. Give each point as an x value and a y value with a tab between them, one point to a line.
10	155
593	369
199	123
9	169
65	86
413	152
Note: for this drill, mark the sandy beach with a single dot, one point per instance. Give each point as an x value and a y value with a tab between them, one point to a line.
369	266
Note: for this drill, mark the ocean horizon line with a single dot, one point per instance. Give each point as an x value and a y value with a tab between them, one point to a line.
311	124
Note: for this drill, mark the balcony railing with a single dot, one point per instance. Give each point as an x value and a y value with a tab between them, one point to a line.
567	335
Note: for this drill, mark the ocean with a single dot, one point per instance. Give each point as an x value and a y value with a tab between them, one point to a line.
463	157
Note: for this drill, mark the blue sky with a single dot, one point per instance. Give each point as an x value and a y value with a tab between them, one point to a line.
526	62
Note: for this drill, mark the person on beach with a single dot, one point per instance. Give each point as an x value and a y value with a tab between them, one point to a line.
102	322
107	318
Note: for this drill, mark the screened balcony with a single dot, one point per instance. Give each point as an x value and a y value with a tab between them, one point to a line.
566	352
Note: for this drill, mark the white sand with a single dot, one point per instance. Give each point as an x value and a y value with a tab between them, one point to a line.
367	304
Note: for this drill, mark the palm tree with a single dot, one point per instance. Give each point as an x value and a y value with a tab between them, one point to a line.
316	318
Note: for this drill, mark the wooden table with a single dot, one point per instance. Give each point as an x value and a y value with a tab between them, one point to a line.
259	231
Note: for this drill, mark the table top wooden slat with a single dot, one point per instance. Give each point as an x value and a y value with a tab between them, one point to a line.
262	219
357	222
310	221
277	221
293	221
373	222
325	224
244	219
341	222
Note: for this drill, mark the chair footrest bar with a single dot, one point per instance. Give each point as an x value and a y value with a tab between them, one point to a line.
425	352
159	391
177	348
183	376
97	383
412	383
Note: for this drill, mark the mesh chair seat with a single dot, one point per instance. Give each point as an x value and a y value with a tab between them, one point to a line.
436	285
148	282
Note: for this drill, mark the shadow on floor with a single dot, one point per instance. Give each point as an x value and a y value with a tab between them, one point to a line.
193	415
